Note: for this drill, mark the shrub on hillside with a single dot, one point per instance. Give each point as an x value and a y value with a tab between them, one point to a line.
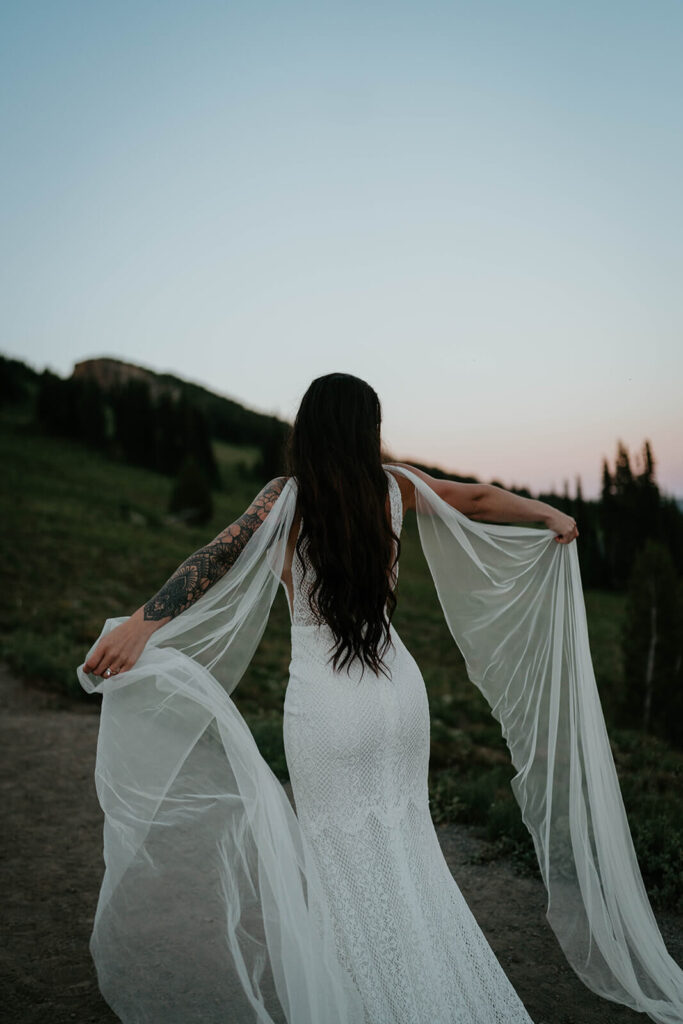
190	498
18	382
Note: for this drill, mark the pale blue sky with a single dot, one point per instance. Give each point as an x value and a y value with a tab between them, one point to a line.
475	206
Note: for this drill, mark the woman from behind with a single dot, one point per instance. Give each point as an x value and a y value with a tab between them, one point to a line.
356	731
356	727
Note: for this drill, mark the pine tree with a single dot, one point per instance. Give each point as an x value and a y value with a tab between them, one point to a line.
579	492
651	644
168	439
649	520
18	382
675	721
190	498
196	440
590	558
134	413
607	528
632	511
90	412
272	461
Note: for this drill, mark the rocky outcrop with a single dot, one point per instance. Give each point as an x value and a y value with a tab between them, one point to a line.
109	373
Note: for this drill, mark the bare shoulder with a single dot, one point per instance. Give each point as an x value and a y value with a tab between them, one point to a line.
226	546
266	497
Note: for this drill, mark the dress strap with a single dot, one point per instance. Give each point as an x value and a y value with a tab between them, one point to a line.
395	502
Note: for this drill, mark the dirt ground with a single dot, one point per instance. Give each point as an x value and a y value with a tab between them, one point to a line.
52	868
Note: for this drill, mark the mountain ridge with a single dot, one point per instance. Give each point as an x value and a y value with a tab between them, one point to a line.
228	418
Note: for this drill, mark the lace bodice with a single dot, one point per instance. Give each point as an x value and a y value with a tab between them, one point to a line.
302	578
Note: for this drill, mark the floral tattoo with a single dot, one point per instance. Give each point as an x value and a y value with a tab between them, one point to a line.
206	565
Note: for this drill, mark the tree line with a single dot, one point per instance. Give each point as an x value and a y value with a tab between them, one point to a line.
160	423
630	511
631	542
127	423
631	538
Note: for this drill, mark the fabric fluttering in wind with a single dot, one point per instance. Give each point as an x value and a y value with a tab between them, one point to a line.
211	908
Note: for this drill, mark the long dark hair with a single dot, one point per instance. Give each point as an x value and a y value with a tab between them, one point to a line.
334	453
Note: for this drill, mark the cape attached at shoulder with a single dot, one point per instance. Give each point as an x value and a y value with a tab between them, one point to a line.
210	905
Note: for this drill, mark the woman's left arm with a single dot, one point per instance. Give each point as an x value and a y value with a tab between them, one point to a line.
496	505
121	648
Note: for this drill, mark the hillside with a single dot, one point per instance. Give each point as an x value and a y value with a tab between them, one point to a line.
228	420
90	540
131	414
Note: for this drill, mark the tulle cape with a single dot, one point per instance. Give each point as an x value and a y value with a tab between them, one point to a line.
211	908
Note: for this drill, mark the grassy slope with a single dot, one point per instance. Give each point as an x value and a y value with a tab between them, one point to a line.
87	539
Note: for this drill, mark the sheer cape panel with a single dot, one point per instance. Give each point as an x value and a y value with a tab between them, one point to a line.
210	907
513	601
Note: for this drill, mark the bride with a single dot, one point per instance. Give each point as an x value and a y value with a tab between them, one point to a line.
219	902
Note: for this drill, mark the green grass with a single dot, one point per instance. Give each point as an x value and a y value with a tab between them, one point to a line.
234	462
87	539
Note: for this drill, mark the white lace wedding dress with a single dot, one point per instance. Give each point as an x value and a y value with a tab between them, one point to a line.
219	903
357	748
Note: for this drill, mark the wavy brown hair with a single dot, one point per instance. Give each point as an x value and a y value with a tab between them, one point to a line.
334	453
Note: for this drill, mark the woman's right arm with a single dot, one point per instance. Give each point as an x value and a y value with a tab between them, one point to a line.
202	568
122	646
489	503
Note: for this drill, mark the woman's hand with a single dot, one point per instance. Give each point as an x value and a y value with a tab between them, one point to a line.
563	525
121	647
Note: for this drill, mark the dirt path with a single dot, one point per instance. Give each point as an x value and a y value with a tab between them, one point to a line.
52	867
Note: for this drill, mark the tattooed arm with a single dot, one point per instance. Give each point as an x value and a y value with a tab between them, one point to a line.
198	572
120	649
